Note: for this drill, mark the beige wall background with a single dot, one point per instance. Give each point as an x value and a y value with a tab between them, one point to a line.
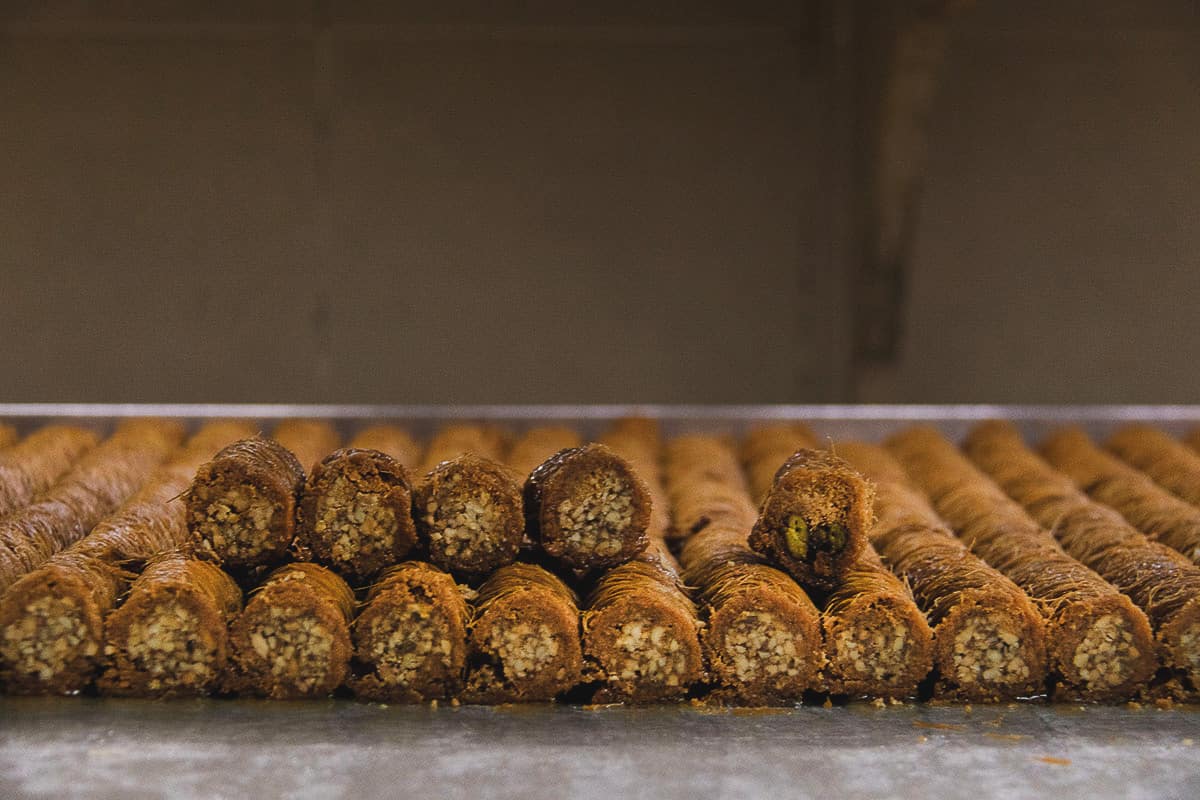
445	203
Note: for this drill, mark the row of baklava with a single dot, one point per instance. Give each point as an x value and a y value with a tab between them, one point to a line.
153	566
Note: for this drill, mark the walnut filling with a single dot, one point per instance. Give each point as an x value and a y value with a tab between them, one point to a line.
293	646
461	520
50	633
760	647
647	652
357	523
400	645
871	652
1189	649
986	653
168	646
1107	652
233	521
598	513
524	648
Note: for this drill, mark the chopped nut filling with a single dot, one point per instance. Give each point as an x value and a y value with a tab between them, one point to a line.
647	652
759	646
358	522
400	646
1106	653
1189	647
50	633
524	648
232	522
169	645
595	518
460	520
877	653
294	647
985	653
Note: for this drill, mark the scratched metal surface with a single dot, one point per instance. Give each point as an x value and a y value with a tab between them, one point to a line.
72	747
870	422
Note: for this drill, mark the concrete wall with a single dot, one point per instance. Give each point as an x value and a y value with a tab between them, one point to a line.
363	204
1058	251
349	202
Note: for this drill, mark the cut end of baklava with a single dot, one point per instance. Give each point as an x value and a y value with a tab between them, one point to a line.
989	655
240	524
46	638
594	521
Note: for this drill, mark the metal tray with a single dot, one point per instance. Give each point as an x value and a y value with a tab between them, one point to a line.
99	748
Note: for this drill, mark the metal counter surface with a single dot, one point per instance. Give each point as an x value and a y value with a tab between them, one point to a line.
97	748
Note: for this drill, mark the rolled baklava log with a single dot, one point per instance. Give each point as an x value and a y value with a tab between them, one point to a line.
1099	645
52	619
766	448
641	632
1159	580
989	638
814	519
410	640
469	515
8	435
587	508
95	487
32	466
309	440
356	513
391	439
452	441
761	634
170	636
524	642
639	442
241	506
1192	439
537	444
292	640
877	642
1168	461
1148	507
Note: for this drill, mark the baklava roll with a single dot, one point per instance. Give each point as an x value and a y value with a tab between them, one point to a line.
537	444
391	439
292	640
8	435
356	513
1147	506
52	619
639	442
241	506
641	632
1158	579
524	642
410	639
766	448
814	520
762	633
877	641
95	487
989	638
452	441
469	515
170	636
1192	439
33	465
1099	644
309	440
587	508
1168	461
